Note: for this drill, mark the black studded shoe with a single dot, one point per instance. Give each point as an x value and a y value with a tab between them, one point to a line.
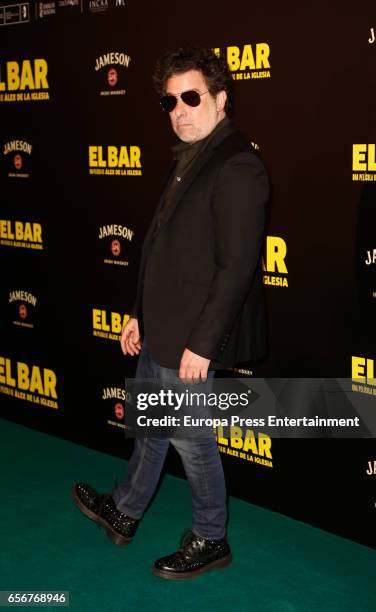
196	556
101	508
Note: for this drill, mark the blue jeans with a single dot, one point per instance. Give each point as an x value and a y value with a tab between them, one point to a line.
201	461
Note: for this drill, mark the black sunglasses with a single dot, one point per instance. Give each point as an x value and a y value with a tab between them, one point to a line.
190	97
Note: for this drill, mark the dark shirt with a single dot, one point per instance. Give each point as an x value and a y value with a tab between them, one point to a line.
185	154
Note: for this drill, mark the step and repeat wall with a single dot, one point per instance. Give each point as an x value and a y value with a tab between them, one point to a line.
84	150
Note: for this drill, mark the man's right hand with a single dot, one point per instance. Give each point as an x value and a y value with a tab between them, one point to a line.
130	340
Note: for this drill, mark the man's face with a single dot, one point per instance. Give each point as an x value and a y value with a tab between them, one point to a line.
190	123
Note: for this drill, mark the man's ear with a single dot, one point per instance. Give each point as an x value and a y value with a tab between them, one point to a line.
221	100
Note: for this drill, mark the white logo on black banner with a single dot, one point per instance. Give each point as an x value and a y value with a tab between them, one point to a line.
45	9
17	155
111	69
117	239
23	303
12	14
98	6
371	257
70	3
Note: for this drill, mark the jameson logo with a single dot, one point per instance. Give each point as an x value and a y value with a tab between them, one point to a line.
17	145
114	233
371	257
117	407
16	162
22	300
111	59
116	230
371	468
24	296
114	393
371	39
111	67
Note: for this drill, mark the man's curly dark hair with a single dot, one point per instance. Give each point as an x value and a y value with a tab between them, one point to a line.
214	69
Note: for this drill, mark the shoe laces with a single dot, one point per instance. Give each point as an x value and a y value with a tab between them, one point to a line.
194	545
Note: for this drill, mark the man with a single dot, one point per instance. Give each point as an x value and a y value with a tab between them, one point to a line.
199	304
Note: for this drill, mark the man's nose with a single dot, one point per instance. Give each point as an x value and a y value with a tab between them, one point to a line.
180	108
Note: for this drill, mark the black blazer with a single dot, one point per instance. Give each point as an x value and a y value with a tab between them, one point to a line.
200	280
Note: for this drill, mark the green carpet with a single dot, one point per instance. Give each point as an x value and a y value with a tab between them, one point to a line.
279	565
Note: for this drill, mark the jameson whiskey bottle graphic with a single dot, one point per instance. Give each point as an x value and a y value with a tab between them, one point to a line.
365	263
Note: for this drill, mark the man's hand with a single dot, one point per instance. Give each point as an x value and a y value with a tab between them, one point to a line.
193	368
130	340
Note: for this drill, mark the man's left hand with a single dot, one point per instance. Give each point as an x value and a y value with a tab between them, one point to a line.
193	368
